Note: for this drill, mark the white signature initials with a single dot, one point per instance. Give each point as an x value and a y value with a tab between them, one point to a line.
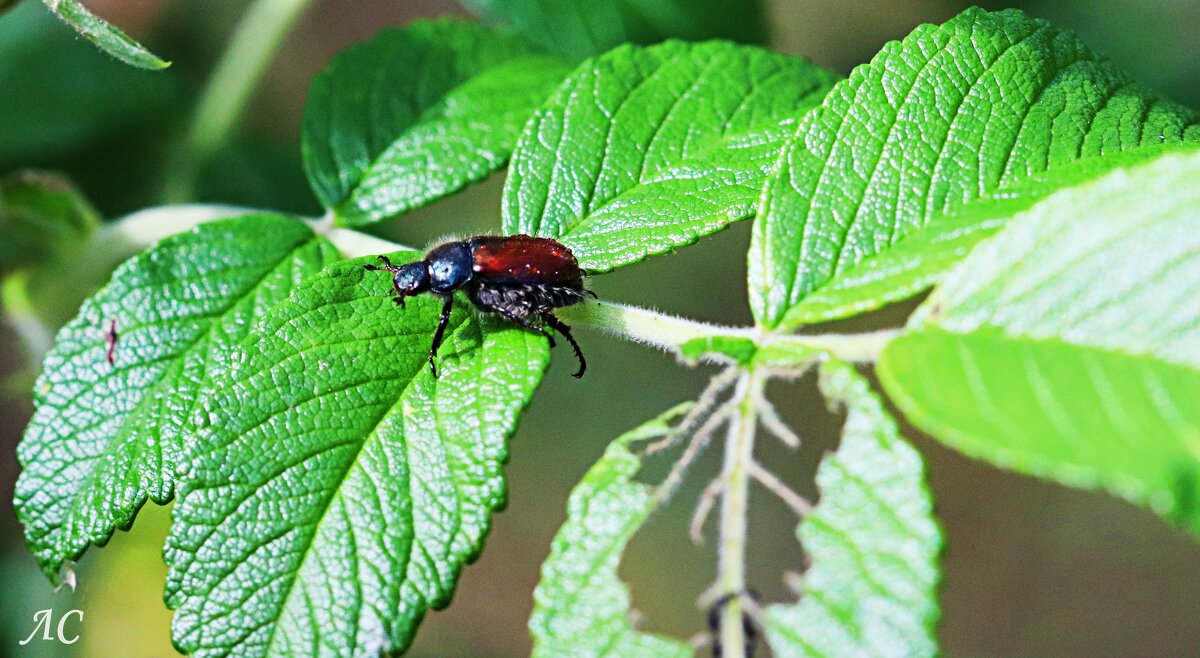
43	618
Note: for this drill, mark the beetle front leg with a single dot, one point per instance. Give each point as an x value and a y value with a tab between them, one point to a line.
447	307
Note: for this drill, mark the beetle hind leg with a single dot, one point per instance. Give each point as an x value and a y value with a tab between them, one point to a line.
562	328
524	322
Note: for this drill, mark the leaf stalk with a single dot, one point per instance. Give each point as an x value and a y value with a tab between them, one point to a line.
670	333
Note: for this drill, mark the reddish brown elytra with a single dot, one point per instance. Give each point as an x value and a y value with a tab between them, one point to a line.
520	277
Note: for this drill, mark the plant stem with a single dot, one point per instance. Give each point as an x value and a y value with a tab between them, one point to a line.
353	244
668	332
134	232
644	325
731	564
250	49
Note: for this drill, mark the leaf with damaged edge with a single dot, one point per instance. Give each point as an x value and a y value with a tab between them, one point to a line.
417	113
342	487
104	35
917	263
105	438
928	126
580	28
872	588
581	609
1067	346
643	150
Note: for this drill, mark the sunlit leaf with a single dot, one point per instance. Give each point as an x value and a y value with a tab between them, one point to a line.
341	488
1068	345
644	150
949	114
917	263
581	609
872	540
105	437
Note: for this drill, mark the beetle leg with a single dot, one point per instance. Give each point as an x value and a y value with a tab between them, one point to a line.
749	632
447	306
387	265
562	328
525	323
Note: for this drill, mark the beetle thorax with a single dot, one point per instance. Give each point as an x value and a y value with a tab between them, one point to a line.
449	267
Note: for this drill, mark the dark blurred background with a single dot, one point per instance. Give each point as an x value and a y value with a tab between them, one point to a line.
1031	569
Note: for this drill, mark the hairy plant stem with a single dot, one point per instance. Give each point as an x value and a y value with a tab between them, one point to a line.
669	332
254	42
731	559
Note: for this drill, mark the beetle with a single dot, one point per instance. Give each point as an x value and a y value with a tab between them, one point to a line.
520	277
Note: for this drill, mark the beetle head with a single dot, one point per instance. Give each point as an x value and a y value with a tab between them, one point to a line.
407	280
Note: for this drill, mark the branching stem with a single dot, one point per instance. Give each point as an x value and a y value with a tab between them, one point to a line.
798	503
731	559
703	406
703	507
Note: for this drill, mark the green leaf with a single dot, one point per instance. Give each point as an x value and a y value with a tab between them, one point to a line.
103	437
581	28
581	609
42	216
740	350
872	540
917	263
643	150
342	487
1068	347
417	113
949	114
70	94
105	36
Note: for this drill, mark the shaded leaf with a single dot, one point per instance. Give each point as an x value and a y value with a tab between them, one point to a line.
1068	345
643	150
580	28
872	588
581	609
104	437
104	35
342	487
417	113
42	216
951	113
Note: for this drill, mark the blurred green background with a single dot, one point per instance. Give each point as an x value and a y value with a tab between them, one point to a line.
1031	569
